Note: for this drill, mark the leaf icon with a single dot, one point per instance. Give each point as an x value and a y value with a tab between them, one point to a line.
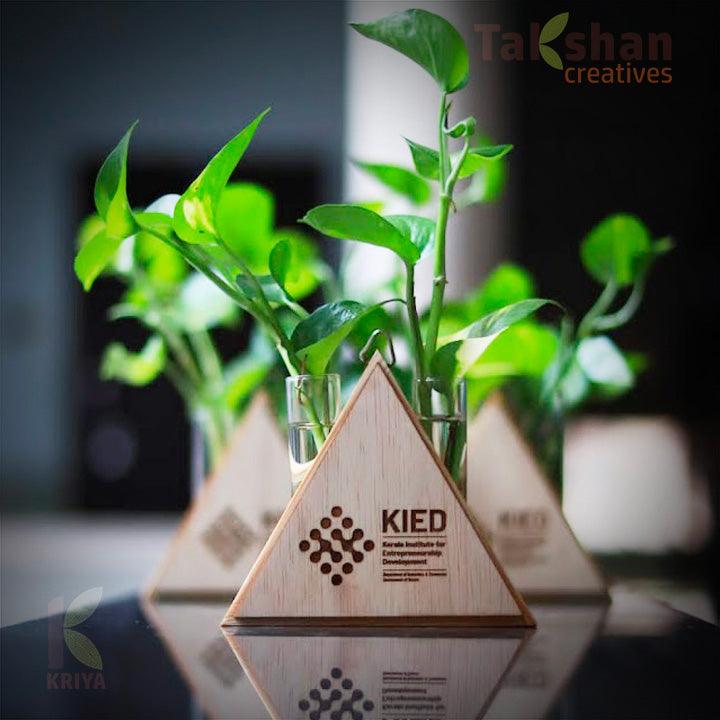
83	649
551	57
82	607
553	27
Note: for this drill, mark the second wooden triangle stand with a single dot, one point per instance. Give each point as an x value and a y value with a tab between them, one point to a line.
515	503
377	534
228	522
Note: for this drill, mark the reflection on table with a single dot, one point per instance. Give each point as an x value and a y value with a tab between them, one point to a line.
633	658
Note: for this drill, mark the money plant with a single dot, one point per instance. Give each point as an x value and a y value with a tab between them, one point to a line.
439	362
209	228
180	309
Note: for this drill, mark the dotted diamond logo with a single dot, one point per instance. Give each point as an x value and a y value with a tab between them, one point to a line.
339	550
228	537
335	699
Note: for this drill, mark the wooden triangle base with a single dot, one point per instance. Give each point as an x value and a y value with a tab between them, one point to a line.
377	533
376	677
228	522
516	505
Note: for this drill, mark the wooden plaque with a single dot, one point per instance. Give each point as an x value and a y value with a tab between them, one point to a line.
229	521
518	508
393	678
192	636
377	533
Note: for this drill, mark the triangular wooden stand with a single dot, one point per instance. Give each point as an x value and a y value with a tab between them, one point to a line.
516	505
228	522
377	677
192	637
377	534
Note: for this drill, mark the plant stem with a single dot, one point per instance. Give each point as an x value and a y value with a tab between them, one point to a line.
268	316
625	313
439	278
447	185
587	324
416	335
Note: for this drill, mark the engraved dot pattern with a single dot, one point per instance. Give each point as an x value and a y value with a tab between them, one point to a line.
337	554
337	698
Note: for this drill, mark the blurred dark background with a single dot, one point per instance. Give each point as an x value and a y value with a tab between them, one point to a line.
76	74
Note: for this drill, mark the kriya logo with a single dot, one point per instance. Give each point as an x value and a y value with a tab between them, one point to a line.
62	634
337	697
339	549
631	48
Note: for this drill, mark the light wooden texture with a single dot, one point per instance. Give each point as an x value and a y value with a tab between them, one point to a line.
200	651
376	461
228	522
380	677
547	661
516	505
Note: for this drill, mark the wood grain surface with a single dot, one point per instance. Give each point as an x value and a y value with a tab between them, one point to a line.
515	503
377	532
229	521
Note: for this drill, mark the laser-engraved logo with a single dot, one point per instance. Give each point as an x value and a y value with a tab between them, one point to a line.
338	548
335	699
228	537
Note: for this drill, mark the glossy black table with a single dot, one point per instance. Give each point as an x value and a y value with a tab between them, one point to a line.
635	658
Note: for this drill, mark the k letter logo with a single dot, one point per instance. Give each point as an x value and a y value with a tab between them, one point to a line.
81	647
551	30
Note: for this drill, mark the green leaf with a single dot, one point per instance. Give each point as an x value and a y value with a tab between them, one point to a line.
306	269
508	283
83	648
274	294
486	185
478	158
553	27
245	219
280	258
351	222
82	607
551	57
526	348
402	181
119	363
425	159
460	351
94	256
616	249
316	338
428	39
419	230
574	386
195	214
602	362
111	192
88	229
201	305
160	261
465	127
